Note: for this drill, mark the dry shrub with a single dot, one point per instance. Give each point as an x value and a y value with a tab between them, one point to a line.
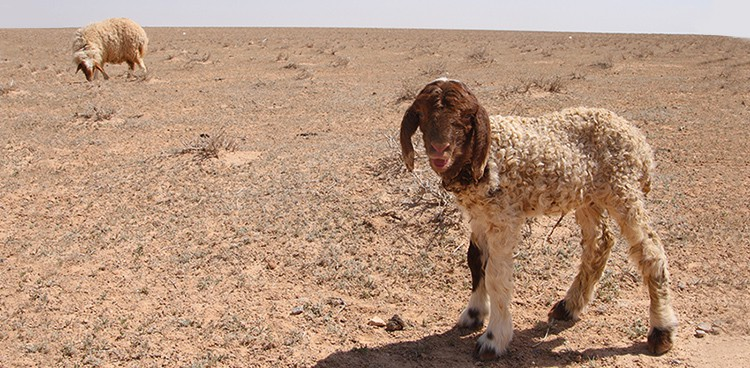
604	64
480	55
435	70
11	87
340	61
422	190
209	145
96	113
551	85
408	92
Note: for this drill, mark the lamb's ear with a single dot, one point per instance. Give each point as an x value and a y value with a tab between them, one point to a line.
481	143
408	127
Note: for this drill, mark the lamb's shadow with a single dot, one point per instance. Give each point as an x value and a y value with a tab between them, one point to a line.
453	348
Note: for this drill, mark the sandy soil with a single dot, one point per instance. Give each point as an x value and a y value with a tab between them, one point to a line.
243	203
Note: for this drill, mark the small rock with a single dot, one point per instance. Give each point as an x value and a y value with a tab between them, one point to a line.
705	327
395	323
297	310
376	321
700	333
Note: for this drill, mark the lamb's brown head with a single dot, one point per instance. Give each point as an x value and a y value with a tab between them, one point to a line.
455	128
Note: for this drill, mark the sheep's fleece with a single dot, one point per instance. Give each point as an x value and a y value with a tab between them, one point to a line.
114	40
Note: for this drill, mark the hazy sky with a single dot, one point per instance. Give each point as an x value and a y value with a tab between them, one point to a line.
718	17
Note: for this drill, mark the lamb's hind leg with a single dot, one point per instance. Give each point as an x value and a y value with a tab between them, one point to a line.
647	252
479	306
597	242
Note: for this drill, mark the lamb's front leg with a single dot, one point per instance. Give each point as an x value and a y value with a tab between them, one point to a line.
499	284
479	306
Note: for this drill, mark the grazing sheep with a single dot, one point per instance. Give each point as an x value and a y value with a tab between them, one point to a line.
504	169
114	40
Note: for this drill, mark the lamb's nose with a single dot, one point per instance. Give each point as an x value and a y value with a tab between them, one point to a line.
440	147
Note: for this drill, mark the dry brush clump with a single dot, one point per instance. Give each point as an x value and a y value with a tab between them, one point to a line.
207	146
552	85
480	55
97	113
10	87
425	197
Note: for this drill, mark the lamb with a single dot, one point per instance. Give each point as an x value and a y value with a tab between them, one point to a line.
114	40
504	169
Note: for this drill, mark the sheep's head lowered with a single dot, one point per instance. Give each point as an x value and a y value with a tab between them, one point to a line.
88	63
455	128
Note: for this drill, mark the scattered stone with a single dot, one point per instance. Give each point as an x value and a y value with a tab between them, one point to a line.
376	321
297	310
705	327
395	323
700	333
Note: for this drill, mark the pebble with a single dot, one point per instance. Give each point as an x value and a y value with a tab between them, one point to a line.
700	333
395	323
376	321
705	327
297	310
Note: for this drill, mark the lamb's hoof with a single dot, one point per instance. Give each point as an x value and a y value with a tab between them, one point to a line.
486	349
659	341
471	320
485	352
559	312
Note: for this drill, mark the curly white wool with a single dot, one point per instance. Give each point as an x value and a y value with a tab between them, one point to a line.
114	40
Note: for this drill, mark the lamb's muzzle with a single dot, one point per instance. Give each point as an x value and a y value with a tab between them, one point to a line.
503	169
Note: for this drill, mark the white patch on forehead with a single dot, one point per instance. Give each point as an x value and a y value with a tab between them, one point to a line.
445	79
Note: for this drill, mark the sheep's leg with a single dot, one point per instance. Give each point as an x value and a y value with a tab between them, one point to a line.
479	307
498	280
647	252
597	242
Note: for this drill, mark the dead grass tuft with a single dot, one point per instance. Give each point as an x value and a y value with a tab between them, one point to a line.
435	70
552	85
408	92
480	55
96	113
11	87
209	145
340	61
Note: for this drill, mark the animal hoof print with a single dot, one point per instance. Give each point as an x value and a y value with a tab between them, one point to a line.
485	353
659	341
559	312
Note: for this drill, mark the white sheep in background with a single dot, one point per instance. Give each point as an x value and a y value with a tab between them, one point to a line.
504	169
114	40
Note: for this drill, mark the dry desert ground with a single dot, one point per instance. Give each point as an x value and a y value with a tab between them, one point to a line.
243	204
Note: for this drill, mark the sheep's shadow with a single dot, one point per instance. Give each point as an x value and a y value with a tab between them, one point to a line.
453	348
